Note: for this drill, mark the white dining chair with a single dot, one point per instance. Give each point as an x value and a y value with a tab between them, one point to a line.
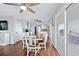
31	39
43	44
32	48
28	43
25	36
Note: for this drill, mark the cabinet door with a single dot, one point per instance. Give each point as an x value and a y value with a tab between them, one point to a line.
1	39
6	38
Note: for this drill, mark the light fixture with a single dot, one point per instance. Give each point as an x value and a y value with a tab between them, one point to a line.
23	8
61	26
0	3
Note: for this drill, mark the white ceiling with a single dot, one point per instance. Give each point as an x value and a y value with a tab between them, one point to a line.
44	12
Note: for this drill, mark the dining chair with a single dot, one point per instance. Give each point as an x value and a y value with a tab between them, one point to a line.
32	48
25	36
43	44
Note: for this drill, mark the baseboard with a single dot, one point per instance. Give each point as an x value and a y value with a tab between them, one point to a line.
3	44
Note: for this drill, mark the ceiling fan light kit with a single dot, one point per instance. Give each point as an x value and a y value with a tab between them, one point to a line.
23	8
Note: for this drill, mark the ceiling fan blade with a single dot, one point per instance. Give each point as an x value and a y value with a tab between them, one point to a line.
29	9
33	4
14	4
21	11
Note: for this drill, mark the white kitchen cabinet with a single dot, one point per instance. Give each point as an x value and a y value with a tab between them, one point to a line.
4	38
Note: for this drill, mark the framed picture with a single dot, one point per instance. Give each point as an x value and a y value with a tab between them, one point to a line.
3	25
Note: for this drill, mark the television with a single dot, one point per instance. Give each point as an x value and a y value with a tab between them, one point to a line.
3	25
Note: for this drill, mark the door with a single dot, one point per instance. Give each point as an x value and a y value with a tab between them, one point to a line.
73	30
59	31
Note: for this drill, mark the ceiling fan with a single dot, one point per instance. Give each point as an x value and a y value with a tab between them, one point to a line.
24	6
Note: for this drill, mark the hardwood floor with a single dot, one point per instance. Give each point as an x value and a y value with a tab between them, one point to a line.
16	50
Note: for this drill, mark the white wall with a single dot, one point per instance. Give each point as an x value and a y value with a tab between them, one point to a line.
17	29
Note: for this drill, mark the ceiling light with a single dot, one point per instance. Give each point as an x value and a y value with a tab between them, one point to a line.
61	26
23	7
0	3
